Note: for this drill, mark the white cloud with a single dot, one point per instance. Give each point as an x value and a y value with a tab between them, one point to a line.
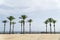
31	5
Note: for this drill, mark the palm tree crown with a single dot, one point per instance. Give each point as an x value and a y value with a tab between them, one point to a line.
46	22
13	22
50	20
10	18
30	20
54	21
4	21
23	17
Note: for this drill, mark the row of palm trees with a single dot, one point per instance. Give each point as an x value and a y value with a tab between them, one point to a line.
50	21
22	22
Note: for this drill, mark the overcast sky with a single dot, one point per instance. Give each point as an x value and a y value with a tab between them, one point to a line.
37	10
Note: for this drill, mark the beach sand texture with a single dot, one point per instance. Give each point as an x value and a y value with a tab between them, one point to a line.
29	36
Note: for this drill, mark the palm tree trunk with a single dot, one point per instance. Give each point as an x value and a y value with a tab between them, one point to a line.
21	28
54	28
10	28
50	28
13	29
46	28
4	27
30	28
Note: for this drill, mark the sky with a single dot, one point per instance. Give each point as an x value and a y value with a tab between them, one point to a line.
37	10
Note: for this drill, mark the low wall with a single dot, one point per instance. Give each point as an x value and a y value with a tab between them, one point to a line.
29	36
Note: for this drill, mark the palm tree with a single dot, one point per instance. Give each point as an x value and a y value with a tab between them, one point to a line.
4	21
23	17
54	21
30	21
21	24
50	21
13	26
46	22
10	19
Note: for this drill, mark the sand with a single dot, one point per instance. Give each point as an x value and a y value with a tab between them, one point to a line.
29	36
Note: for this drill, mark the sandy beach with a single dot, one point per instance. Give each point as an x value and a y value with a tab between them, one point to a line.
29	36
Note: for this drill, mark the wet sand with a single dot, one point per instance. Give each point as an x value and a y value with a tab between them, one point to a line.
29	36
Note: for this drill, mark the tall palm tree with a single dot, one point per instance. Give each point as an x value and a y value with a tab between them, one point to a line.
23	17
30	21
54	21
46	22
13	23
10	19
50	21
4	21
21	24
